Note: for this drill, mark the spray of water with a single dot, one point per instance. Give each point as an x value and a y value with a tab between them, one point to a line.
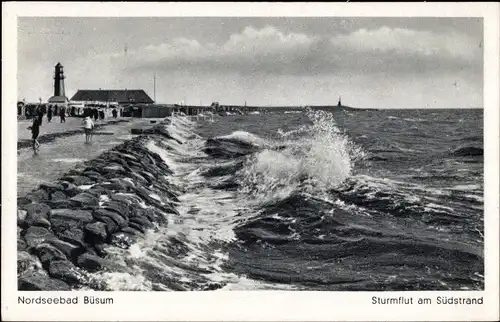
320	158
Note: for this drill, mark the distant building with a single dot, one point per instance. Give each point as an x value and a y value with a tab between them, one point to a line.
59	98
112	97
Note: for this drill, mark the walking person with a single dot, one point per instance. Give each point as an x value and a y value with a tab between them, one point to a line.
88	126
49	114
39	114
35	131
115	113
62	114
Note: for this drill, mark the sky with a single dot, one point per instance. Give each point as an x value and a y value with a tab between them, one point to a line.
369	62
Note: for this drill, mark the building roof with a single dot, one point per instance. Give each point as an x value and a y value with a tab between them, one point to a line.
58	99
120	96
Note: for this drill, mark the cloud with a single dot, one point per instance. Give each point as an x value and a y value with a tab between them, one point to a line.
410	42
370	65
270	51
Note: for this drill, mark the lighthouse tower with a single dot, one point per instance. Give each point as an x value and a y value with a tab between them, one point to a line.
59	97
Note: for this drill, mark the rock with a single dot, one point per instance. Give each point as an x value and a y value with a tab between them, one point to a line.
167	190
96	164
139	178
91	171
146	213
71	189
61	204
94	170
70	250
96	232
94	176
65	184
152	160
38	196
97	179
118	219
101	249
21	216
114	168
48	253
129	156
26	262
73	172
73	236
111	225
92	251
120	208
78	180
113	186
141	221
67	272
97	191
148	176
34	281
52	187
42	222
132	231
85	199
120	162
122	198
135	164
37	220
36	235
58	195
136	226
159	217
35	211
213	286
21	244
169	209
92	263
65	219
145	195
22	201
127	183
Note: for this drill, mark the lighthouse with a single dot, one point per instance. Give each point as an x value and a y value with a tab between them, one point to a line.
59	97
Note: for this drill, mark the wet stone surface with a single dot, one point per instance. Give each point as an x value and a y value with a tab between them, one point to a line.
65	226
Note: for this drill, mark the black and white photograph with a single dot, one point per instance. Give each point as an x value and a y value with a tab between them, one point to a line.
251	153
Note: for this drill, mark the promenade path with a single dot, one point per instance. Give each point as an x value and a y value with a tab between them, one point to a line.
64	153
72	124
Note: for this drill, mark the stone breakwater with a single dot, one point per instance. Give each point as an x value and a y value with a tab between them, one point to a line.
52	136
65	227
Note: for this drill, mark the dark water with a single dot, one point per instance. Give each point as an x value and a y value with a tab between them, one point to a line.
394	203
341	200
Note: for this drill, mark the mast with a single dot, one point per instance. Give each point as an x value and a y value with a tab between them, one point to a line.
154	86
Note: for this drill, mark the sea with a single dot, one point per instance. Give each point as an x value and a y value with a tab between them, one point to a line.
335	199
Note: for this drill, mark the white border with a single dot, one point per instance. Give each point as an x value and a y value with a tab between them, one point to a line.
252	305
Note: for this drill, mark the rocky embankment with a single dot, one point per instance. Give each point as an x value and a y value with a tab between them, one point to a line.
65	227
52	136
